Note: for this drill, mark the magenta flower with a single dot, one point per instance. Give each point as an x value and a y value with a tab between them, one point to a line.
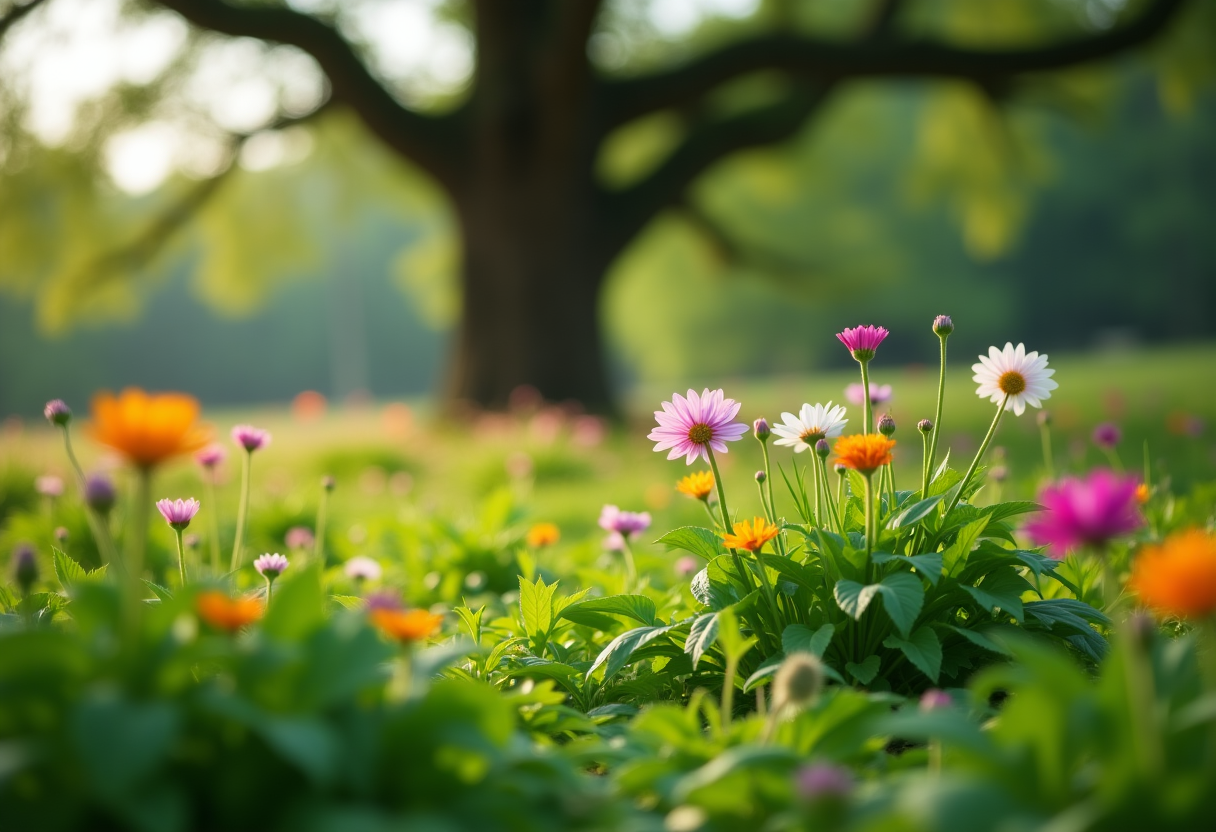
99	493
271	566
178	513
820	781
49	485
934	699
299	537
863	341
211	456
614	542
1107	435
878	394
687	565
362	569
1085	512
691	427
250	438
624	523
385	599
57	412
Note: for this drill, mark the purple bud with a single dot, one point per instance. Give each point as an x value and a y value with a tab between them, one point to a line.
25	567
886	425
761	476
61	535
925	426
943	326
823	781
934	699
57	412
250	438
761	429
840	469
823	448
99	493
191	541
1107	435
999	473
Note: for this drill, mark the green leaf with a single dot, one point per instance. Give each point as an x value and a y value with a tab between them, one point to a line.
866	671
693	539
164	593
348	602
298	606
790	571
712	586
928	565
616	655
852	597
701	636
980	640
1002	511
536	608
765	759
800	638
471	620
914	513
67	570
922	648
638	607
963	543
903	596
1002	588
121	743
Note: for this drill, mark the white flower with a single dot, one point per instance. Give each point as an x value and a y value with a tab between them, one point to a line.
362	568
821	421
1022	376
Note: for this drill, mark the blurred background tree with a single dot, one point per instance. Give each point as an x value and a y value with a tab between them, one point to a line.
530	170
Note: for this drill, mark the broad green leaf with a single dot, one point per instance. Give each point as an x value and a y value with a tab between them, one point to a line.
801	638
67	570
693	539
120	743
618	652
790	571
536	608
922	648
865	671
1001	588
348	602
713	587
701	636
957	553
903	596
638	607
763	758
914	513
531	666
471	620
853	597
165	594
1001	511
298	606
928	565
980	640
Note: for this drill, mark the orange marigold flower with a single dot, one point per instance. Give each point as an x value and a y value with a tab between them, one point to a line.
543	534
697	485
405	625
148	428
864	452
1143	492
751	536
224	613
1178	577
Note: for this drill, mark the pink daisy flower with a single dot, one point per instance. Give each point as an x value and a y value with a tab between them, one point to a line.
178	513
1085	512
863	341
271	566
250	438
691	427
879	393
626	523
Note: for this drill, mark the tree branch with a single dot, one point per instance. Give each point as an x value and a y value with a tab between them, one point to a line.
15	14
629	210
431	142
872	57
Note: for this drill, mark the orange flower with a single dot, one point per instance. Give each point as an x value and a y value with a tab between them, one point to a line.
864	452
543	534
697	485
224	613
1178	578
406	625
148	429
751	536
1143	493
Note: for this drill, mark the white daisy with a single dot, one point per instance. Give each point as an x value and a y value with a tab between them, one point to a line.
821	421
1022	376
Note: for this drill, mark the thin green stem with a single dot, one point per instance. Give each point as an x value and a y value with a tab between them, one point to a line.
869	520
181	556
1112	456
134	555
941	400
726	527
1048	464
712	517
213	521
768	482
97	523
322	512
728	688
818	506
822	473
962	486
867	406
238	540
631	570
269	590
927	459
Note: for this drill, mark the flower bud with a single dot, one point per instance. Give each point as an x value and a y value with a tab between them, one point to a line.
925	426
57	412
99	493
823	448
61	535
191	541
328	482
1107	435
840	468
886	425
942	326
798	680
823	781
25	567
999	473
1141	629
761	429
761	477
1044	418
934	699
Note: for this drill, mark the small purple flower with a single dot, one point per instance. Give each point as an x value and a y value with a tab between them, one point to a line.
250	438
25	567
823	448
823	781
299	537
934	699
1085	512
99	493
61	535
687	565
886	425
270	566
761	429
614	542
178	513
362	569
49	485
625	523
863	341
761	476
942	326
1107	435
211	456
57	412
879	393
925	425
692	426
385	599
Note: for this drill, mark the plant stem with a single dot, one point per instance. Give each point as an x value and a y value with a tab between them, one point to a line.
869	521
213	521
322	511
269	590
768	482
927	461
1045	436
242	511
181	556
631	570
726	527
728	688
822	473
962	486
937	416
867	407
97	524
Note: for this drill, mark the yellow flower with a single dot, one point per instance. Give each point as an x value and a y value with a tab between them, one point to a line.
406	625
864	452
542	535
224	613
148	429
1143	493
697	485
751	536
1178	577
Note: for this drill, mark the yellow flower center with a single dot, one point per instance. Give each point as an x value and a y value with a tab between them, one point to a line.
812	435
700	434
1012	382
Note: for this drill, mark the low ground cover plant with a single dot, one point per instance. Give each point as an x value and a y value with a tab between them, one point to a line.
843	655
